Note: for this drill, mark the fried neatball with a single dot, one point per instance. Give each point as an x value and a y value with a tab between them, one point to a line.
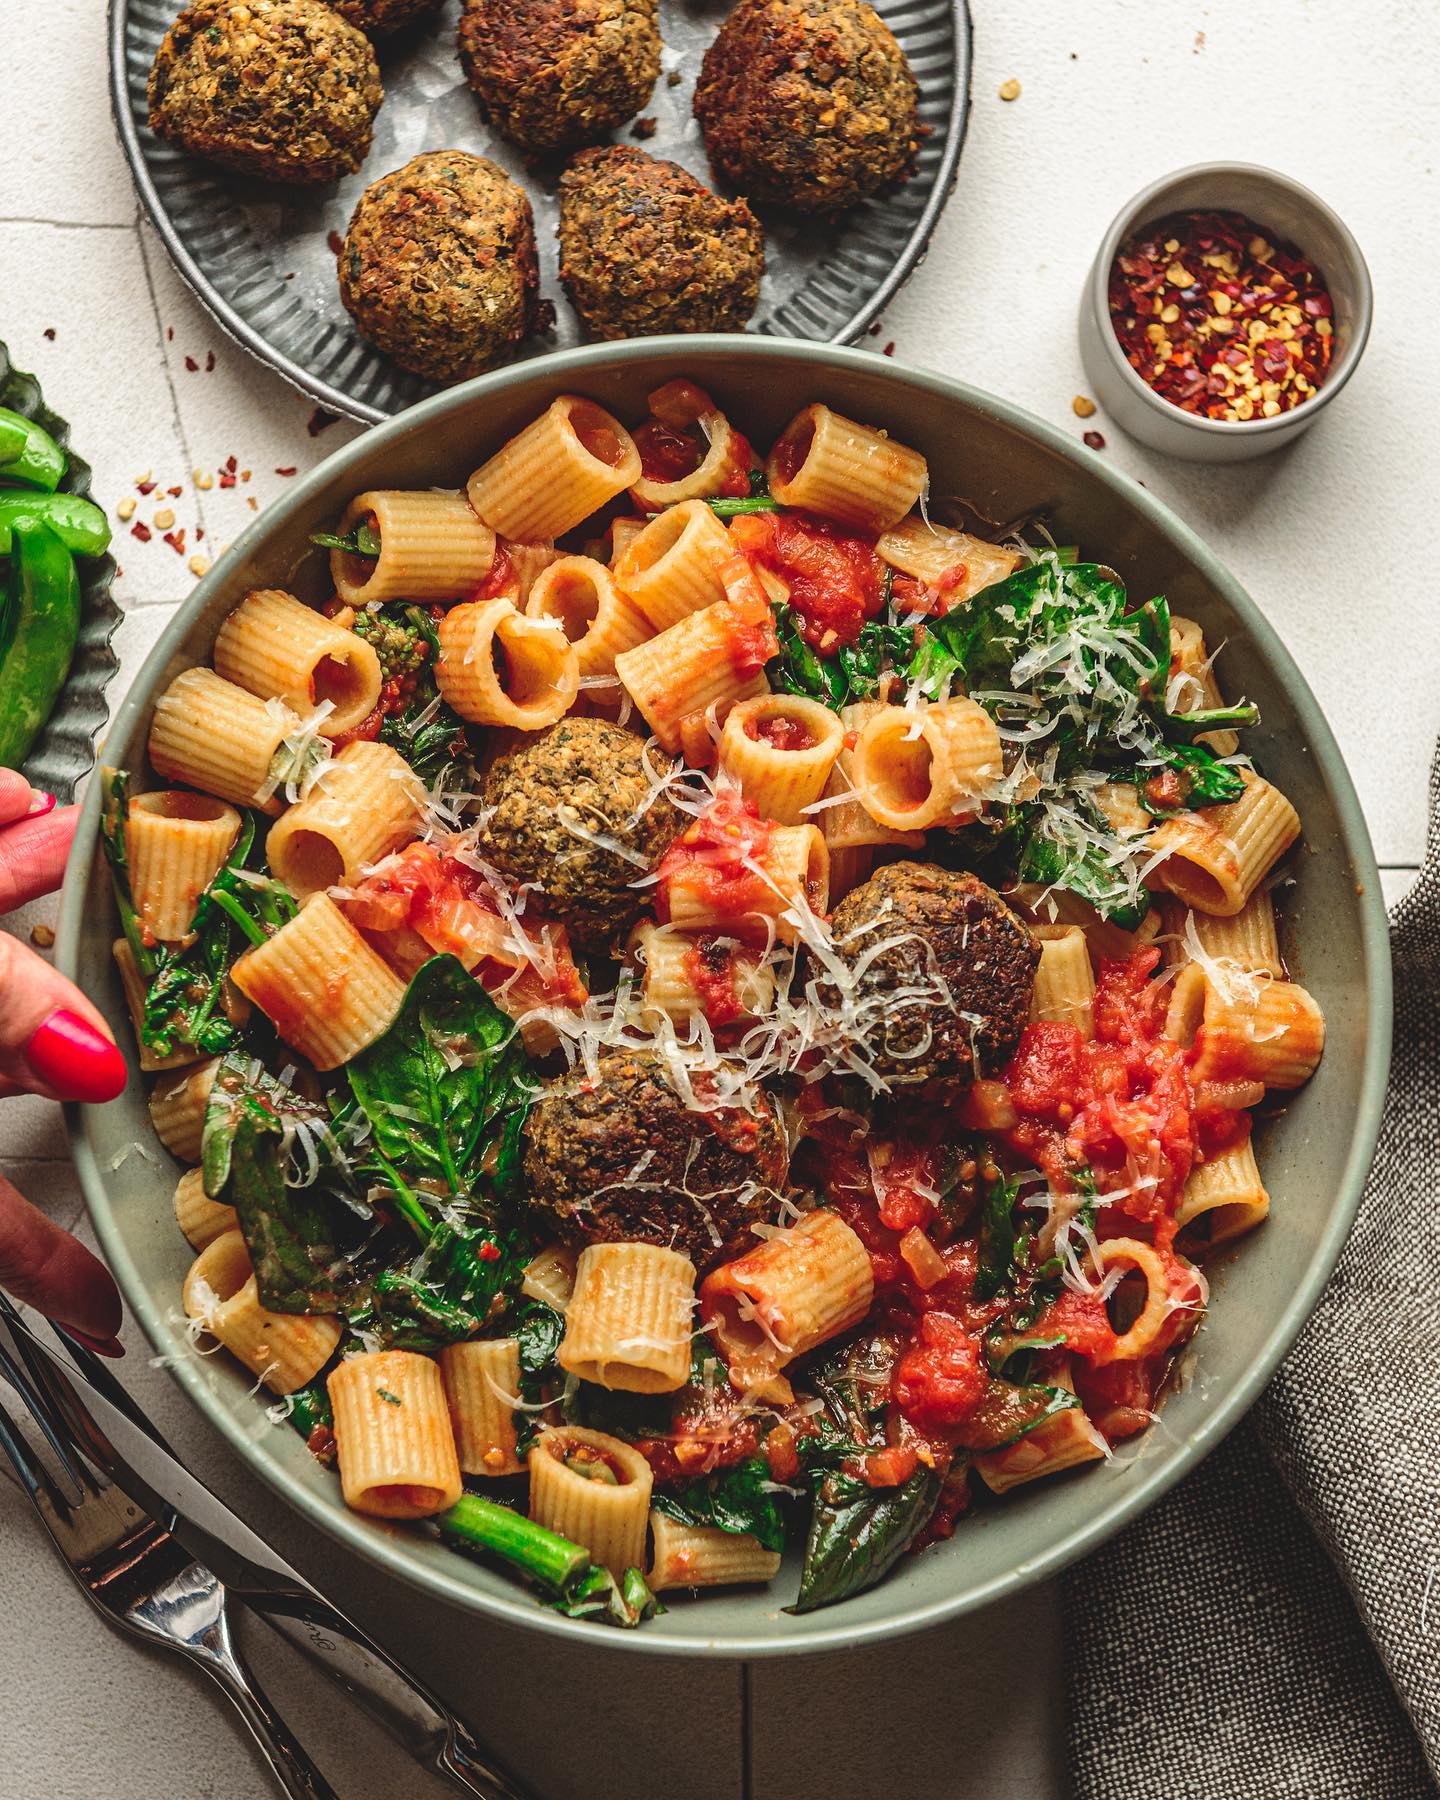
967	960
283	89
808	104
380	17
572	810
438	268
553	74
620	1157
646	248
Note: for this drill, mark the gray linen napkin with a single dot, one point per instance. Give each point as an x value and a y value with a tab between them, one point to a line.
1272	1627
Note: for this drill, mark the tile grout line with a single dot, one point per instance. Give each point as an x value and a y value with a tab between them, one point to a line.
71	224
190	463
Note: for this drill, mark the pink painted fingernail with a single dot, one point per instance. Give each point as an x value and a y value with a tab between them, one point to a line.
41	803
71	1056
111	1347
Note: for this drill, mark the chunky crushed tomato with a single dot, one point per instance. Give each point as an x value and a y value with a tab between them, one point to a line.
667	454
710	970
720	858
781	732
499	579
836	580
940	1380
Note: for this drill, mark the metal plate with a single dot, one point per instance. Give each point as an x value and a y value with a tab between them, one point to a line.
258	255
65	749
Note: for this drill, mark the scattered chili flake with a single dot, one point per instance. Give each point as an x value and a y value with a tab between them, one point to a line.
49	339
147	486
141	531
209	361
252	503
226	479
176	540
1221	318
231	464
199	533
644	128
192	365
889	349
335	241
1010	90
175	492
876	328
674	78
1095	440
169	334
320	420
1082	406
290	471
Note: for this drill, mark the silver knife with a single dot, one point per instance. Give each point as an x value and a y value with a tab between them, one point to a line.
134	1455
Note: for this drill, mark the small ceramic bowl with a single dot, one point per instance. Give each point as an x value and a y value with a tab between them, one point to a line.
1277	205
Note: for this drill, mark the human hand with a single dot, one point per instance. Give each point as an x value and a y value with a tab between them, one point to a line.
52	1042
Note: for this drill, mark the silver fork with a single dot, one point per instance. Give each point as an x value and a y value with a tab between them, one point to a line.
133	1572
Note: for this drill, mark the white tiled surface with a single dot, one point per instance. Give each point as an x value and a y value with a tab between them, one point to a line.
1333	538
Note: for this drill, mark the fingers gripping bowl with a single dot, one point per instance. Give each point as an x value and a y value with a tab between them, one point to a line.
1314	1153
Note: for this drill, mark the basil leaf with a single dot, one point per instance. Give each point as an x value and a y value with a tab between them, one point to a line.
857	1533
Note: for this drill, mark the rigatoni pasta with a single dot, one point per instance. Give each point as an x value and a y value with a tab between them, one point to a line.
218	737
596	617
366	803
556	472
278	648
952	562
912	770
431	547
177	1109
1215	858
781	748
699	1556
286	1350
825	463
628	1320
498	667
201	1219
393	1440
595	1490
482	1389
672	568
176	842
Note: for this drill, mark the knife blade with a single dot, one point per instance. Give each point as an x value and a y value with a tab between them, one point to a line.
140	1463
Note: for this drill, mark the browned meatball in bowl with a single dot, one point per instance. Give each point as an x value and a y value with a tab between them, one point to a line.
943	974
621	1157
808	104
285	90
554	74
438	268
646	248
378	18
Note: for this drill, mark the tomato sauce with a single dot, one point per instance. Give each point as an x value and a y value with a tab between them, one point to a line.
710	970
836	580
780	732
499	579
719	859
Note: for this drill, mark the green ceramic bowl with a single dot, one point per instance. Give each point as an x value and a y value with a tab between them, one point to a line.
1315	1154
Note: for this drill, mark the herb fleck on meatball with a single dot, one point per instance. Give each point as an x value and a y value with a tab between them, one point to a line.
438	268
646	248
572	810
283	89
936	932
808	104
380	17
621	1158
553	74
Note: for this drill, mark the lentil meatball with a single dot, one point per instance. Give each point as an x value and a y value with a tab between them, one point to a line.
553	74
622	1158
283	89
808	104
646	248
551	797
949	927
438	268
380	17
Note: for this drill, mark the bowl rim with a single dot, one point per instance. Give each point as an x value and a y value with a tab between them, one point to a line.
384	1548
1146	204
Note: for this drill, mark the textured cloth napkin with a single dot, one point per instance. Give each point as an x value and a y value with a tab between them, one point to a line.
1272	1627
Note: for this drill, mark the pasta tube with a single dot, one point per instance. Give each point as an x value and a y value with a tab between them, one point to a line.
220	738
1259	1030
176	843
1064	981
1246	940
679	404
916	768
365	803
556	472
696	1556
597	618
827	464
432	547
790	879
200	1218
286	1350
550	1276
1227	1192
798	1289
951	561
1192	686
177	1109
781	749
692	976
594	1490
278	648
497	667
1144	1334
327	992
1054	1445
393	1441
1217	856
628	1322
848	826
482	1383
672	568
697	668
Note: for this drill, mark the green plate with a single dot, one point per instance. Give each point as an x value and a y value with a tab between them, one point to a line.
65	749
1315	1154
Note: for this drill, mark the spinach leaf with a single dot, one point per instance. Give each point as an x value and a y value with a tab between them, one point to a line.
1203	780
738	1499
759	499
364	540
1010	1411
858	1532
999	1237
852	1377
852	673
1079	865
537	1330
1185	727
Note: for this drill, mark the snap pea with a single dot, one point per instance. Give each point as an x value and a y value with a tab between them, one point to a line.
79	524
44	602
36	459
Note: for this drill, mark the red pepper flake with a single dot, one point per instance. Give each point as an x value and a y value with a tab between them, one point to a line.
199	533
192	365
488	1252
1220	317
146	487
209	361
335	241
226	478
140	530
320	420
876	328
176	540
175	492
49	334
231	464
169	334
290	471
889	349
1095	440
